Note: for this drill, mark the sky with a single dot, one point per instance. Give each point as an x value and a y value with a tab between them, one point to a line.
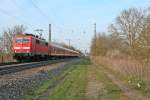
71	19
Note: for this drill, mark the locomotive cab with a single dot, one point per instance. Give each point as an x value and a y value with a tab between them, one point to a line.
22	46
28	47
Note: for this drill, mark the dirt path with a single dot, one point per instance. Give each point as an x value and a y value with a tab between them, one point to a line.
95	89
131	93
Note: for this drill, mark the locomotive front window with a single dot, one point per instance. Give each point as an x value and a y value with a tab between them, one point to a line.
20	40
25	40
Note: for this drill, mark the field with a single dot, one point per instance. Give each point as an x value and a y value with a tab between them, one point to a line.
85	81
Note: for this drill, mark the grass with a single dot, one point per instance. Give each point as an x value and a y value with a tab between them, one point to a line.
133	83
73	87
38	90
113	92
131	72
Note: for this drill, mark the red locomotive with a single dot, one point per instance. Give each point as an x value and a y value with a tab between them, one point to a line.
29	46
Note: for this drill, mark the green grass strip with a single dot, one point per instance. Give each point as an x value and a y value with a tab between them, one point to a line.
36	91
73	86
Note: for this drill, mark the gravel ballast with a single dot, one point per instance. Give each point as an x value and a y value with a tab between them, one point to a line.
17	89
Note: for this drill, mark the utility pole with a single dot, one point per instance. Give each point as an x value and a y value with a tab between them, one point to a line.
95	29
95	39
68	42
50	33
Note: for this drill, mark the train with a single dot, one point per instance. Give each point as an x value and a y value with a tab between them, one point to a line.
32	47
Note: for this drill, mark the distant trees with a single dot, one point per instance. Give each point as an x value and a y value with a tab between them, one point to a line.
100	44
126	46
1	45
130	35
105	44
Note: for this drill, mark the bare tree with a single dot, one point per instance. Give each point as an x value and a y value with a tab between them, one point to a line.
1	45
19	29
130	34
130	24
8	35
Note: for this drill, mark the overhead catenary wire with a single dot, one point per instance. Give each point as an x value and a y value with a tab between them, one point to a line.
45	15
39	10
34	3
20	7
35	6
2	11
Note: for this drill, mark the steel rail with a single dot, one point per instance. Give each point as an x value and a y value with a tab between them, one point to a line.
19	67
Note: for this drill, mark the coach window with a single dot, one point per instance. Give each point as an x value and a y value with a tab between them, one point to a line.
41	43
54	50
46	44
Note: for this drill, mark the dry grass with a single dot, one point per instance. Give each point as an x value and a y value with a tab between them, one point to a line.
128	67
6	58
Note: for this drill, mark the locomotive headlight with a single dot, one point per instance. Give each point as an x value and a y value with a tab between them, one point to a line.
17	47
26	47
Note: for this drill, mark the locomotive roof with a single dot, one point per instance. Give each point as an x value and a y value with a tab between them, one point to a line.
27	34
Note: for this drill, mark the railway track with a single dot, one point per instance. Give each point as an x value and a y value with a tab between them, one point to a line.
9	63
19	67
